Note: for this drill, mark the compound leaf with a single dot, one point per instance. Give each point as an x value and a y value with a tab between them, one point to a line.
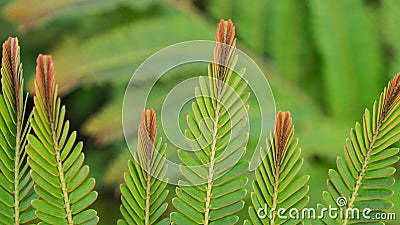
217	137
143	194
277	186
61	181
15	182
365	174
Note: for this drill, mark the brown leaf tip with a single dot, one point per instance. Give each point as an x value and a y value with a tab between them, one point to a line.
148	126
225	32
224	48
283	131
45	77
10	58
392	94
146	135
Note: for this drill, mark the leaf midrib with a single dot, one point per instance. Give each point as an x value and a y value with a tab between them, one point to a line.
279	151
15	73
212	157
148	191
60	166
17	141
276	191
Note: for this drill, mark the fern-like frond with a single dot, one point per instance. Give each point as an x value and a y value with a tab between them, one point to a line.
214	188
143	194
15	182
57	162
364	175
276	186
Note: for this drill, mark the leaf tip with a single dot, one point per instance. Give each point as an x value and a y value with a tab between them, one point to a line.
146	136
283	130
148	124
224	48
225	32
393	94
11	61
45	77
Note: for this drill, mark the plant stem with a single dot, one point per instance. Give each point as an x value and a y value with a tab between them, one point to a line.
148	189
61	171
18	121
212	157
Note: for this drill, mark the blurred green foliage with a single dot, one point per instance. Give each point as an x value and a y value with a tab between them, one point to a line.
325	60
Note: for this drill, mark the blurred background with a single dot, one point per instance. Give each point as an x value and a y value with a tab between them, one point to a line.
326	61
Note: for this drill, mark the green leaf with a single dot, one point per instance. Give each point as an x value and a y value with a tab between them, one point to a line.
365	176
214	169
143	193
15	182
277	185
61	180
85	216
